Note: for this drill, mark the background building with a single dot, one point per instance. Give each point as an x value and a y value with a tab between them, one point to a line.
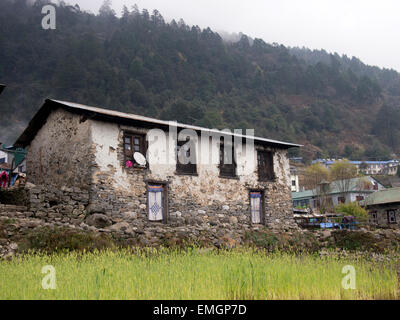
367	167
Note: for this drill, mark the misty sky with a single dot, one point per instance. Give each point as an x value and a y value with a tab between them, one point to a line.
367	29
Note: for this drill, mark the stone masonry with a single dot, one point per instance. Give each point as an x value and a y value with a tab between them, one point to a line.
76	176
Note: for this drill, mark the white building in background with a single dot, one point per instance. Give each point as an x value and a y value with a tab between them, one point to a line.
389	167
294	182
336	192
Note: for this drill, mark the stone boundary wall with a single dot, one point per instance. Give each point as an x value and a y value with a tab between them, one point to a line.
71	207
219	227
16	224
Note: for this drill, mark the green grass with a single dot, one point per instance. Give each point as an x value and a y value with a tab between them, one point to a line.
194	274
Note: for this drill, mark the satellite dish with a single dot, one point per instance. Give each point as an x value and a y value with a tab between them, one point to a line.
139	158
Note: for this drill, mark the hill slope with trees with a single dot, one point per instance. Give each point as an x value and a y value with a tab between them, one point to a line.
141	64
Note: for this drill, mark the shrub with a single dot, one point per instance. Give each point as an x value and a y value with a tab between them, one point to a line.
353	209
261	239
58	239
293	242
350	240
14	196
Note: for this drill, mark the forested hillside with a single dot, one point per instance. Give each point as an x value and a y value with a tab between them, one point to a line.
139	63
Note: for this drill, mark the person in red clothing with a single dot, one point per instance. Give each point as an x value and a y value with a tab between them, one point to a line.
3	179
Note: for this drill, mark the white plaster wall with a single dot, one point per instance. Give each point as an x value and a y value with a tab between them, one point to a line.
295	178
105	137
4	155
162	162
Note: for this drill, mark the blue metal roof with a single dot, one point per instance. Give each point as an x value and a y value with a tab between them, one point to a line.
356	162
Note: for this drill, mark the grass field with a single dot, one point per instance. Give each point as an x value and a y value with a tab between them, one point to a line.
195	274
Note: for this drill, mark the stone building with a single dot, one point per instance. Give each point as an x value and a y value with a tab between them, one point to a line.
384	207
123	167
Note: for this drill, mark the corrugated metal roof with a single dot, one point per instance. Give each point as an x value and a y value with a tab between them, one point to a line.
388	181
353	185
112	115
329	162
384	196
303	194
310	215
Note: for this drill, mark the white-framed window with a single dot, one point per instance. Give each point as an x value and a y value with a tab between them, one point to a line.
156	203
391	216
256	207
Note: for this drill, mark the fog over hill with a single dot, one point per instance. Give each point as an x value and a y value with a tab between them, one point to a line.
139	63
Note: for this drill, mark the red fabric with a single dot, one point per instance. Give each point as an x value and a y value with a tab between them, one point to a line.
3	180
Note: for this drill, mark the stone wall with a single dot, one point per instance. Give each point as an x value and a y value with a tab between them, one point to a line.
60	154
77	167
382	216
126	218
64	205
203	199
18	225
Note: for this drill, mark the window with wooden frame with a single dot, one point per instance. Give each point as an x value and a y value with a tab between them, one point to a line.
227	161
341	199
391	214
359	198
265	161
157	202
257	207
183	150
373	217
134	143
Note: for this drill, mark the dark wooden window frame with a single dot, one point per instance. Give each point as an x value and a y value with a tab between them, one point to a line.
374	217
228	171
268	173
165	185
143	146
189	169
341	199
262	222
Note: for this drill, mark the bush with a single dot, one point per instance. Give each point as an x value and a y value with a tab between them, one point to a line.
350	240
261	239
353	209
59	239
295	242
14	196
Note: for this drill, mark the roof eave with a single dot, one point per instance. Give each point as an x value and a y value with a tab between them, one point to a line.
114	116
